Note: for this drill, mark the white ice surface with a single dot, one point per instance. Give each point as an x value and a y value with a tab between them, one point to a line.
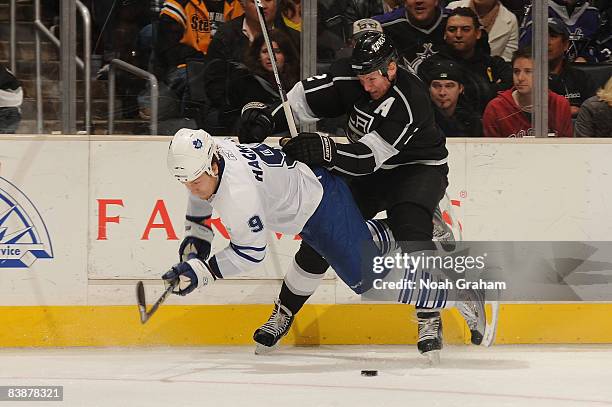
315	376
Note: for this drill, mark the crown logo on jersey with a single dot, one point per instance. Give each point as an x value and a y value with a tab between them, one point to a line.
197	143
23	234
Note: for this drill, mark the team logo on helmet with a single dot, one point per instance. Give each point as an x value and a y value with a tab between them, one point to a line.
373	52
379	43
197	143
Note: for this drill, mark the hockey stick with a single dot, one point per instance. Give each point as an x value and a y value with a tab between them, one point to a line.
281	90
142	303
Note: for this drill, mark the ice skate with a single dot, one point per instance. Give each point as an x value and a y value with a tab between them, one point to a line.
430	335
471	305
268	335
442	232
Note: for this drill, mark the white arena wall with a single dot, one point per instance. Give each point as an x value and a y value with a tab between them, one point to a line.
105	213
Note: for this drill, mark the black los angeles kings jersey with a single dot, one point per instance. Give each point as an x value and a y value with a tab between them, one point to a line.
397	129
415	44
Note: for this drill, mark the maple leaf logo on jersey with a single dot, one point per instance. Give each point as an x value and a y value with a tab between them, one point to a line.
197	143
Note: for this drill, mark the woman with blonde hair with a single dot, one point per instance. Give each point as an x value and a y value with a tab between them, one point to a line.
595	115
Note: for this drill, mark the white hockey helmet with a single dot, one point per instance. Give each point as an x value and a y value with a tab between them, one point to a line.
190	154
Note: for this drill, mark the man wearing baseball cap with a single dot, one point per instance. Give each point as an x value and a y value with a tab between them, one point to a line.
365	25
583	22
563	79
455	118
358	28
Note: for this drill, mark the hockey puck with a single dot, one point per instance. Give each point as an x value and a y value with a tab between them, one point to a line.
369	373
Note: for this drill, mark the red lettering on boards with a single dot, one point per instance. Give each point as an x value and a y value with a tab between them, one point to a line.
166	224
103	219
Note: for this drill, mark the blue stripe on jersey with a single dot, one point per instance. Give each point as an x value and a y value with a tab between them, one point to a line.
387	239
403	292
238	251
437	298
256	249
424	293
198	219
377	231
214	267
416	288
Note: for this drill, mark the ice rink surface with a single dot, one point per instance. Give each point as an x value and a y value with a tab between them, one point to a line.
517	375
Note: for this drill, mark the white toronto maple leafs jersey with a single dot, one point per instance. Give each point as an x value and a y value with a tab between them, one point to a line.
260	190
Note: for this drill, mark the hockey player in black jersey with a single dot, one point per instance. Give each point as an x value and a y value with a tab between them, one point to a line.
396	161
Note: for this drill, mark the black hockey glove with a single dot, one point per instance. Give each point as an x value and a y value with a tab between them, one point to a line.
311	149
256	123
193	246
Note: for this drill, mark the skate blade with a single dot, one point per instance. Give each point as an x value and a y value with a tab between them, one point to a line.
491	328
264	350
433	357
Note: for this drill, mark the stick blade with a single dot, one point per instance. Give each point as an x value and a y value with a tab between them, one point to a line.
141	301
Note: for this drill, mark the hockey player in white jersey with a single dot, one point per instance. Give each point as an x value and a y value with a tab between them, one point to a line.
255	189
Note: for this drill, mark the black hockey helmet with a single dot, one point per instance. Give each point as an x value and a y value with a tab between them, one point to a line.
373	52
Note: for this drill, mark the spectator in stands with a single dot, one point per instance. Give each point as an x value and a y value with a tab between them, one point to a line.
517	7
510	113
227	52
360	9
116	27
186	29
484	75
455	118
595	116
583	23
11	97
331	29
358	28
232	40
291	13
500	24
417	30
363	26
253	80
604	36
565	80
259	63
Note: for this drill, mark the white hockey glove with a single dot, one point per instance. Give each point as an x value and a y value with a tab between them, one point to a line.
191	274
